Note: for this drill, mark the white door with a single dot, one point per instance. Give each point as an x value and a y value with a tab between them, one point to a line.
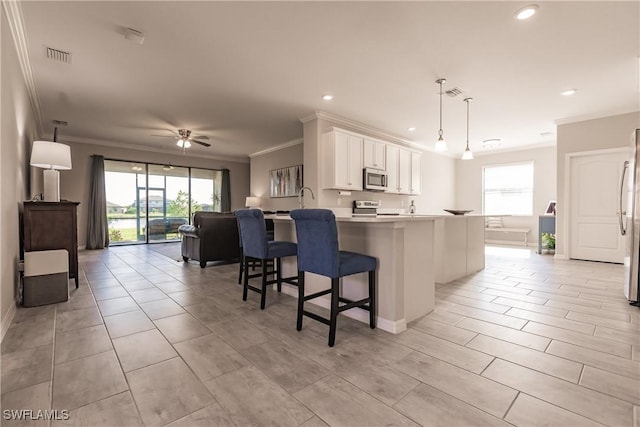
593	195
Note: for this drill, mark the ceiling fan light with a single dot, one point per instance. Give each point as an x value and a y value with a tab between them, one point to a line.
187	144
180	143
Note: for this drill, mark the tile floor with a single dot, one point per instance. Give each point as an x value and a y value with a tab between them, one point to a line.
147	340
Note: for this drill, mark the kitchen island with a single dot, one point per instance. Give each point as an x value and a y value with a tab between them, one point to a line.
405	247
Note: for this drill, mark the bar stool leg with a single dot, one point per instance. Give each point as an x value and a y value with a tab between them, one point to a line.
245	288
335	295
279	273
372	299
241	267
263	294
300	299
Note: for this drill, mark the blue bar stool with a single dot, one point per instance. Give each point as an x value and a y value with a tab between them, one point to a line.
256	245
270	237
318	253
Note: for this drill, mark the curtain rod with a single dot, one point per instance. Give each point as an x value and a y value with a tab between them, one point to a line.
160	164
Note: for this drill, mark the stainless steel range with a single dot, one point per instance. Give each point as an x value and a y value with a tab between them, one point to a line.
365	208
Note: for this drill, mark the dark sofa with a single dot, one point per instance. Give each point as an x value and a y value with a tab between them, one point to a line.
213	236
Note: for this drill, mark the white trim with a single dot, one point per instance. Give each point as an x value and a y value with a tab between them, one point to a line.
394	327
560	256
586	117
362	127
6	321
277	147
160	150
567	187
512	149
16	24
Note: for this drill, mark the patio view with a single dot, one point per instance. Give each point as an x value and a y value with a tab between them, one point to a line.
148	202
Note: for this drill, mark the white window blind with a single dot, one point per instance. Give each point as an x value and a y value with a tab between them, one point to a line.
508	189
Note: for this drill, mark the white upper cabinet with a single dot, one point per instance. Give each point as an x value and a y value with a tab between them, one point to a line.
416	173
374	154
404	171
393	153
343	161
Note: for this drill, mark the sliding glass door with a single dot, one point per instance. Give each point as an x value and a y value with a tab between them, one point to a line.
146	203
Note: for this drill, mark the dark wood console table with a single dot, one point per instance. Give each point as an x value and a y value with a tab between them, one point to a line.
52	225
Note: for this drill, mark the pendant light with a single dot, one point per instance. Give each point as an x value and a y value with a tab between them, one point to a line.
467	155
441	144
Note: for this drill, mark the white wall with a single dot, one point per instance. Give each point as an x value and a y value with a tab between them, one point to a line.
588	135
438	176
17	130
469	185
74	183
260	167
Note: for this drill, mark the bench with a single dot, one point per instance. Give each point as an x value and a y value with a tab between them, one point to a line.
524	231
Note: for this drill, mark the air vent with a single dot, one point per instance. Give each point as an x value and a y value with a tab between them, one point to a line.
454	92
59	122
57	55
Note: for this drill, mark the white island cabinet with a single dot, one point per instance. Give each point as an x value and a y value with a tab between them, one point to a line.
404	248
342	160
460	246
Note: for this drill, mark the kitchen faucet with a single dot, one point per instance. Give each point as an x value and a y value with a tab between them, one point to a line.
300	205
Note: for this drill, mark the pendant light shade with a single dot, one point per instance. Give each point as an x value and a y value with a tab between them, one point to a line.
467	155
441	144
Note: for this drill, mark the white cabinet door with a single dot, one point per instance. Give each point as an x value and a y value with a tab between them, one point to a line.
416	173
393	159
404	171
345	155
354	162
374	154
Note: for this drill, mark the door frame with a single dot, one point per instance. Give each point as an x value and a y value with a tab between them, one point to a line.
566	229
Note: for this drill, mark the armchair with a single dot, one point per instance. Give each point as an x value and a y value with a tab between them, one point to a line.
213	236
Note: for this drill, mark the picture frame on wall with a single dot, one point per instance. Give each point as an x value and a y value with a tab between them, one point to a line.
551	208
285	182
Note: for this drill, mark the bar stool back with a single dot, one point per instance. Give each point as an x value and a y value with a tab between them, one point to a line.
318	253
255	245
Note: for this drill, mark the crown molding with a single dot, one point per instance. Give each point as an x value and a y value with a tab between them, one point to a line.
149	149
583	118
513	149
277	147
16	24
361	127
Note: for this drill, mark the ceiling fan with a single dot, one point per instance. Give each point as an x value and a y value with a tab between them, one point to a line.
184	139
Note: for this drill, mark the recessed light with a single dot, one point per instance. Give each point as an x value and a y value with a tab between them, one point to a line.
568	92
327	97
526	12
411	129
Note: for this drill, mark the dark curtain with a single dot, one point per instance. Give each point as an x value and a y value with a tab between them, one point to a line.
225	197
97	225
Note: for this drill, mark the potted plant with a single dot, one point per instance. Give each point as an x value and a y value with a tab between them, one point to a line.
549	242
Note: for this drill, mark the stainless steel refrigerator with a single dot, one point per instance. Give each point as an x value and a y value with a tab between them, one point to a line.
629	215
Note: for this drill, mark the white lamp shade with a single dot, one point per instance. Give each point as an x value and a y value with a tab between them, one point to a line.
50	155
252	202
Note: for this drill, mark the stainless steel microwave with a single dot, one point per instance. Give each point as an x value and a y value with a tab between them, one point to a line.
374	180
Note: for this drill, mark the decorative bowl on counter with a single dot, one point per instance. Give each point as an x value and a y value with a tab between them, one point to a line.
458	212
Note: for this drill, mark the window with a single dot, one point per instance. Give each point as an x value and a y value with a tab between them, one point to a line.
508	189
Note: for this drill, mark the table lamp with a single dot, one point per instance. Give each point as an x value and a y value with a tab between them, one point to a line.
51	156
252	202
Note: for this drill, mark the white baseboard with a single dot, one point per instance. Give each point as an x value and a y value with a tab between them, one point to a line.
6	321
560	256
394	327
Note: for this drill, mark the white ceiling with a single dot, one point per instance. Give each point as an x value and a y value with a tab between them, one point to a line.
243	73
